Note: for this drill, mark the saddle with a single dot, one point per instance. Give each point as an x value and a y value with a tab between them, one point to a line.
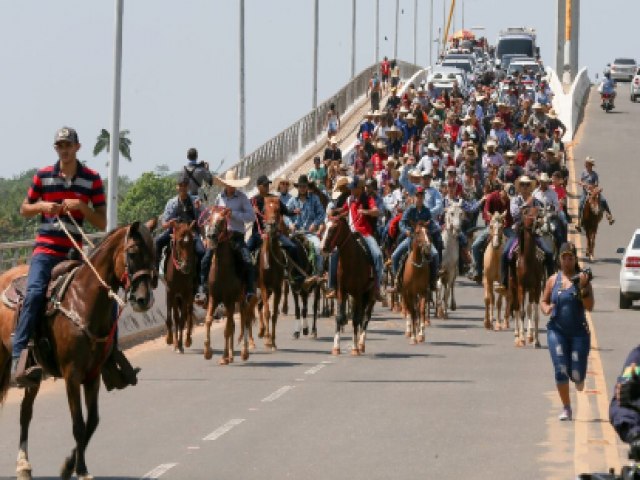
362	243
515	250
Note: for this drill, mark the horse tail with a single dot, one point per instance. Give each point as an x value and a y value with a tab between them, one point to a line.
5	378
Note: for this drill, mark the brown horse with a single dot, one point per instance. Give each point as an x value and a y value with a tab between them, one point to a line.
355	279
525	281
271	269
591	215
301	294
492	274
415	283
80	333
226	287
180	269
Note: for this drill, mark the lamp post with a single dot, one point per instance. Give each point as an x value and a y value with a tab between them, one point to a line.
242	112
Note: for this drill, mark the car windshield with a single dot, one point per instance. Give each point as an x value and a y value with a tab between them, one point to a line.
462	65
624	61
636	242
514	45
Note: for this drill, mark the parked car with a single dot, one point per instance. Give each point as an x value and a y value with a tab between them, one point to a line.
635	86
623	69
630	271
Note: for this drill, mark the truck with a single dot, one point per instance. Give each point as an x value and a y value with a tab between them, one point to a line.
516	40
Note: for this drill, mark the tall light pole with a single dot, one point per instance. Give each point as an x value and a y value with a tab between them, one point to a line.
415	32
566	75
353	38
395	42
316	9
377	34
431	34
112	188
462	14
242	98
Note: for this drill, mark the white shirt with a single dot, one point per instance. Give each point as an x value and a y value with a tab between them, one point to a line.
426	163
548	197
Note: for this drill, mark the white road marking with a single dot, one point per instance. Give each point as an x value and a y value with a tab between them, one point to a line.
299	379
278	393
220	431
316	369
328	362
158	471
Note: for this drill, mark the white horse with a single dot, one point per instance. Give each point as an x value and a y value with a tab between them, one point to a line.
453	216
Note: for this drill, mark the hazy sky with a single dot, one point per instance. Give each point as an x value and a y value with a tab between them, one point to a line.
180	66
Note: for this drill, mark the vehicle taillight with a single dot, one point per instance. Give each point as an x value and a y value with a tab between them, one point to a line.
636	81
632	262
613	69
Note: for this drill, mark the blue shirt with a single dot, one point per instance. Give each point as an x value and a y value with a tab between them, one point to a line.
241	209
608	86
311	212
183	211
411	216
432	197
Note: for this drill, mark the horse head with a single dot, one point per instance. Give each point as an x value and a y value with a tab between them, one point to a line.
420	239
217	225
453	216
530	217
496	228
336	233
182	247
272	215
138	266
593	198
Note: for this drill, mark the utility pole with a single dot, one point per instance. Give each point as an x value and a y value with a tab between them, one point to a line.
566	74
415	32
395	42
353	38
242	97
431	34
112	188
316	9
377	34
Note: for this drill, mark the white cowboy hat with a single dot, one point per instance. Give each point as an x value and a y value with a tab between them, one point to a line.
552	114
544	177
590	160
341	181
525	179
279	180
333	141
432	146
230	179
415	174
380	145
439	105
510	154
537	106
404	109
410	117
491	143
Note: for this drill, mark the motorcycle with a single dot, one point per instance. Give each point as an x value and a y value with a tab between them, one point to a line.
607	102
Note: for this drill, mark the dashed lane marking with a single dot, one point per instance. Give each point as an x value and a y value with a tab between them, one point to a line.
158	471
316	369
278	393
220	431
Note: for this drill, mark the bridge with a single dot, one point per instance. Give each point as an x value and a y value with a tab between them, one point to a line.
466	404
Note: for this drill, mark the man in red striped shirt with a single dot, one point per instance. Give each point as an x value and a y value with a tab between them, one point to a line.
67	188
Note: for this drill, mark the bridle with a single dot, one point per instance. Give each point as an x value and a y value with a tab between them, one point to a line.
184	266
130	276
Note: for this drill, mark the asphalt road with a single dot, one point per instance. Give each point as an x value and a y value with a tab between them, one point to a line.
466	404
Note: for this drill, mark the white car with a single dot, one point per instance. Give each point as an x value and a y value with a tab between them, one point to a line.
630	272
635	86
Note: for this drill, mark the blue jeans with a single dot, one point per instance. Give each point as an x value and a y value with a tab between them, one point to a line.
569	355
33	304
376	253
404	247
333	270
583	198
479	246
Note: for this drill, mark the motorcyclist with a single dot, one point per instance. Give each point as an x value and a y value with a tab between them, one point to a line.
608	87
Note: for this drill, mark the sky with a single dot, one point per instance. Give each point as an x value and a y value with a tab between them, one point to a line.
180	67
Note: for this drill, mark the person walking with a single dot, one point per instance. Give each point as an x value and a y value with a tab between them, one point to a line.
568	294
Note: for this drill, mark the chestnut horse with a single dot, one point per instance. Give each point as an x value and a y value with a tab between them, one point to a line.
180	270
591	215
492	274
271	269
355	279
525	281
415	284
225	286
81	332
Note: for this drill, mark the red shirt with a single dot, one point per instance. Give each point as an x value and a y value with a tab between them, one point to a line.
522	158
377	160
560	191
452	130
385	67
394	226
360	223
493	203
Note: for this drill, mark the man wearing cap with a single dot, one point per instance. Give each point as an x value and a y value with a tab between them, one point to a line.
198	173
318	174
180	209
308	218
588	179
240	212
57	192
418	212
548	197
496	202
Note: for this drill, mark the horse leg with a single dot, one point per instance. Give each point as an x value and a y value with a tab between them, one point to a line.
452	289
169	321
79	433
305	310
245	322
410	302
260	305
23	467
529	320
316	302
362	339
423	310
181	318
340	319
274	318
266	318
228	334
488	305
188	341
357	321
296	306
536	319
91	391
208	320
285	299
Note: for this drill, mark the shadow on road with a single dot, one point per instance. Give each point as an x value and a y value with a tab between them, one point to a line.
406	355
459	344
610	260
405	381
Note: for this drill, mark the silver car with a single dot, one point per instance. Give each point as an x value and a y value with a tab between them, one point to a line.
623	69
634	86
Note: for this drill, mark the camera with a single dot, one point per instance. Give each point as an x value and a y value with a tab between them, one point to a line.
576	278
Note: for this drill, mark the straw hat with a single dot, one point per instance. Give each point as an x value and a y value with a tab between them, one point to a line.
544	178
432	146
279	180
525	179
380	145
341	181
492	143
376	113
552	114
333	141
415	175
410	117
510	154
393	130
393	162
230	179
439	105
537	106
590	160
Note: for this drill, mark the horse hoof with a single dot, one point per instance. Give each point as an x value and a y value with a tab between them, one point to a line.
252	345
274	348
223	361
314	335
261	333
530	339
407	334
187	343
537	344
487	324
65	473
85	477
420	338
361	347
285	310
169	340
244	355
24	475
305	331
454	307
208	354
413	341
268	344
355	352
231	359
335	351
427	323
296	335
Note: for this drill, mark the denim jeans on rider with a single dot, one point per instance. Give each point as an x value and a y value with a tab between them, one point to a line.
569	355
332	282
404	247
37	283
376	253
479	246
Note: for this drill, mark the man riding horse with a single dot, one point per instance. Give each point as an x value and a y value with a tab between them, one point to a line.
521	202
180	209
549	199
60	192
338	200
240	212
589	179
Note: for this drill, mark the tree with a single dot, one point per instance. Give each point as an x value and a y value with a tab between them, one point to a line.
147	197
103	142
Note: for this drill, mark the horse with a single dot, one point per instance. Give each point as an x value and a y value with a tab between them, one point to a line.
353	265
591	215
300	294
226	287
547	228
415	284
492	273
525	280
180	269
271	270
75	339
453	216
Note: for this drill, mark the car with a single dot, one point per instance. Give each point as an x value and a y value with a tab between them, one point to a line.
634	86
630	272
623	69
520	65
448	75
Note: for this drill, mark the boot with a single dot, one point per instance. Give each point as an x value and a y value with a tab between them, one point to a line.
117	372
610	218
201	295
310	282
21	375
579	225
331	293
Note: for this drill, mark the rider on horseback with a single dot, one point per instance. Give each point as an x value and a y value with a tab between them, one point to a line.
412	215
180	209
519	203
240	212
549	198
338	200
588	179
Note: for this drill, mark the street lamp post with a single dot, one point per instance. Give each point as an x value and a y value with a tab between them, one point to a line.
395	42
112	188
353	38
242	97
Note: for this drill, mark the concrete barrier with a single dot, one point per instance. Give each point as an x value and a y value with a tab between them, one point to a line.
570	106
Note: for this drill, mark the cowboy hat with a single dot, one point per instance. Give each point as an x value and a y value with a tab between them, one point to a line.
341	181
404	109
590	160
230	179
451	169
410	117
510	154
391	161
279	180
380	145
491	143
432	146
302	180
537	106
552	114
415	174
376	113
544	178
480	98
526	180
394	130
439	105
497	120
333	141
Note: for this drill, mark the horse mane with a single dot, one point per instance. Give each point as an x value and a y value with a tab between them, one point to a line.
104	241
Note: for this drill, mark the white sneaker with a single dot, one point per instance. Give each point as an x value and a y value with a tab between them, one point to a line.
565	415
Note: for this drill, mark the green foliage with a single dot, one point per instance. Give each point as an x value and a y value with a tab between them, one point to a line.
13	191
103	142
146	198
